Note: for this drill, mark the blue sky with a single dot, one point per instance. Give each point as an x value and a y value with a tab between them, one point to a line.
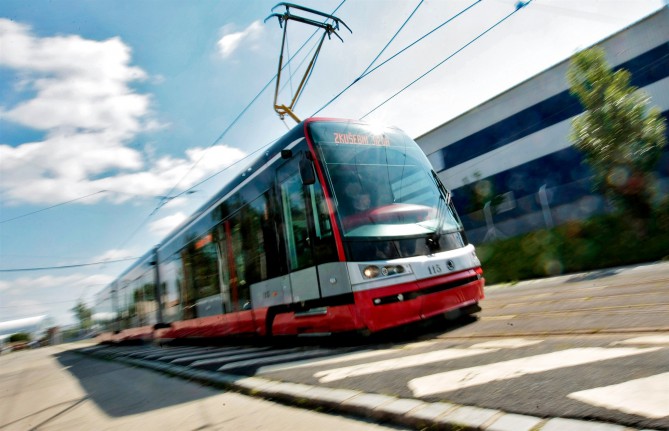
111	105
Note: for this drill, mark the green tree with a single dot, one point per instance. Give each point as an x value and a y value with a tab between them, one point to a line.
83	314
620	136
19	337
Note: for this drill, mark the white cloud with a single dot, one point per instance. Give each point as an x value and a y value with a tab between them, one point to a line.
163	226
48	294
46	282
168	171
78	92
79	83
113	254
230	42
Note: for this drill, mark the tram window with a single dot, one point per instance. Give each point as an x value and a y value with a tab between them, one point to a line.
127	307
324	246
187	288
205	267
241	289
169	274
253	241
144	305
295	221
273	252
205	276
224	257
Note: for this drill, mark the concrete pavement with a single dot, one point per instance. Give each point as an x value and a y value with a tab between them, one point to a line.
54	389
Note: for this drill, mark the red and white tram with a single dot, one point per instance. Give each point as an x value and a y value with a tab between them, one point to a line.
340	226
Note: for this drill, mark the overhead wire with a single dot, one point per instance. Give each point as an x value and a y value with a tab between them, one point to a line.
369	71
71	201
53	206
78	265
39	304
406	21
518	8
221	171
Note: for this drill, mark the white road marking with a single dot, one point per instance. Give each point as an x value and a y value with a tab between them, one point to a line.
270	359
648	340
333	360
464	378
419	344
502	317
397	363
506	343
648	397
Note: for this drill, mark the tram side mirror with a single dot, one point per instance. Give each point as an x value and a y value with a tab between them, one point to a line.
307	173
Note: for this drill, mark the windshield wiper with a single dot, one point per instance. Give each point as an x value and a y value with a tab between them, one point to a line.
432	240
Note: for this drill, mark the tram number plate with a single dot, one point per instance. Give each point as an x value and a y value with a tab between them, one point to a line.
435	269
440	268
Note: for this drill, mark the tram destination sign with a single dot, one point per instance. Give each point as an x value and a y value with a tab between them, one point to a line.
351	134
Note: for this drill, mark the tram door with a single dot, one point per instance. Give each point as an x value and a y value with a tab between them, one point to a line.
297	233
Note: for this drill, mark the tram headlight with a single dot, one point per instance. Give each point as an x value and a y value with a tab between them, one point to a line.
371	271
374	271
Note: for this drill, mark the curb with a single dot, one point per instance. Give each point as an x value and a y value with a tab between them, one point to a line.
412	413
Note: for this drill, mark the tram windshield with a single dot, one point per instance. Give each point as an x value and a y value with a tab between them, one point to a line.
383	185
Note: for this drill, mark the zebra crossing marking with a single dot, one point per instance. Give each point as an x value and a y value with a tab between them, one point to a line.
474	376
662	340
648	396
506	343
397	363
346	357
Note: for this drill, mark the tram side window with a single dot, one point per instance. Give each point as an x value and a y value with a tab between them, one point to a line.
324	246
144	304
187	287
248	246
104	312
124	305
271	257
259	241
296	223
203	257
225	257
241	275
170	274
